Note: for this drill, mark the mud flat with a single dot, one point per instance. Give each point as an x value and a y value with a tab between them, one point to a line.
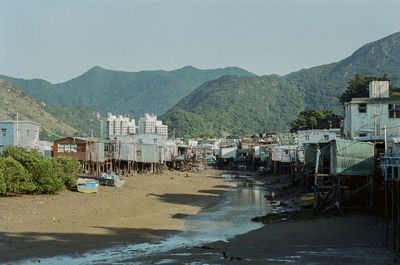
146	208
295	237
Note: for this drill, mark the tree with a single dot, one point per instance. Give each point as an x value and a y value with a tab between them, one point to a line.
358	87
315	119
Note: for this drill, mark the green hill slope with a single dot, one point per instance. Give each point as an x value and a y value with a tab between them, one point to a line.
236	105
240	105
124	92
323	84
60	121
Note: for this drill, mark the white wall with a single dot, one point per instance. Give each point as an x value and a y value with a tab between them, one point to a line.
363	123
317	136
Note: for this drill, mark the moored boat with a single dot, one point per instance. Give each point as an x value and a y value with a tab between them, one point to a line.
106	179
87	185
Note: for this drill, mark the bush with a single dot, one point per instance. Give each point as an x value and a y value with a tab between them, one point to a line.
22	155
15	177
2	184
46	175
27	171
69	168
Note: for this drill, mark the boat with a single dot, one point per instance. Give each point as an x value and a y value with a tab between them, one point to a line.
87	185
308	198
106	179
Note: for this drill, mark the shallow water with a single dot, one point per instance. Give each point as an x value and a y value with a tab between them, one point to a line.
226	220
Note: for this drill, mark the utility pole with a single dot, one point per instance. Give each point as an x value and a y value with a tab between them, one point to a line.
17	129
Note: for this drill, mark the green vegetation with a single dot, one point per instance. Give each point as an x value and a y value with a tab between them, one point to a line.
120	92
27	171
77	121
315	119
236	105
358	87
241	105
233	102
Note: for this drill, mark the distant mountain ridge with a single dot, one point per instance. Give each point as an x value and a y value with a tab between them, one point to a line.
241	105
55	122
223	101
124	92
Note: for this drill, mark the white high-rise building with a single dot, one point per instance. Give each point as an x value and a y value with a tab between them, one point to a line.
113	126
150	124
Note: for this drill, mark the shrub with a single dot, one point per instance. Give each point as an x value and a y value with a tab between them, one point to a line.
46	175
2	184
22	155
15	177
28	171
69	168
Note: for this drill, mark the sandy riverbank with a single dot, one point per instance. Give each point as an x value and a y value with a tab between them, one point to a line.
147	207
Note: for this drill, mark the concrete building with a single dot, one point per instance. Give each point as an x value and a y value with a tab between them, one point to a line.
19	133
191	142
46	148
150	125
114	126
284	153
317	136
150	148
368	116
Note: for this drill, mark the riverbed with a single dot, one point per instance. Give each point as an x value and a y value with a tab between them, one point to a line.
231	217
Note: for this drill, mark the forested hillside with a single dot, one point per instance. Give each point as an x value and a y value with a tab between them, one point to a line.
120	92
241	105
57	121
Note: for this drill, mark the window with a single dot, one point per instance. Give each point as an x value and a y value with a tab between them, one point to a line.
307	137
67	148
394	111
74	148
326	137
362	108
363	134
61	148
1	148
155	140
3	132
138	153
28	132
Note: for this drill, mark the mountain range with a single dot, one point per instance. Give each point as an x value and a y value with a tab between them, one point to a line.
55	121
234	105
133	93
216	102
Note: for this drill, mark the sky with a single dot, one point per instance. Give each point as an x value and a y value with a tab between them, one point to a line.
58	40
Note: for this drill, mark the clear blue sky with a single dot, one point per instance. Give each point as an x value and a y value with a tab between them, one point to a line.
58	40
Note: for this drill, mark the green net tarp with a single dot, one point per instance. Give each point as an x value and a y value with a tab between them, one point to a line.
228	152
309	153
264	156
352	158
